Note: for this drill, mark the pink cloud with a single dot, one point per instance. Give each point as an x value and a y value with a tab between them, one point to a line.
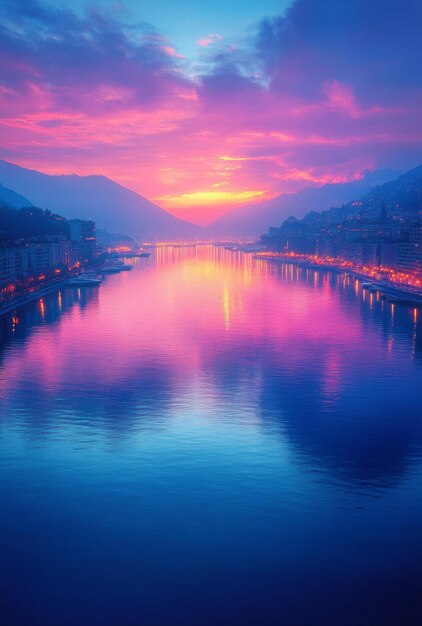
341	97
171	52
211	38
272	117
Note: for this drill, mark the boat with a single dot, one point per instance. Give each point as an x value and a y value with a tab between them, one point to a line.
404	298
123	267
110	269
84	280
132	255
400	293
116	267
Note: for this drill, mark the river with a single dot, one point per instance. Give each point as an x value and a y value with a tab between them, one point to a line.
210	439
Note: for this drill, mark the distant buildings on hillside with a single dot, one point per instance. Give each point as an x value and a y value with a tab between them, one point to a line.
382	242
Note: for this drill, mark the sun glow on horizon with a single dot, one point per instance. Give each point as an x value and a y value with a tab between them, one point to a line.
211	198
248	119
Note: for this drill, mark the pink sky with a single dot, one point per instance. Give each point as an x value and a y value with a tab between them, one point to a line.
288	108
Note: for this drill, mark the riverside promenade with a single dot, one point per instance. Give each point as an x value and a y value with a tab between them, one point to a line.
25	298
394	285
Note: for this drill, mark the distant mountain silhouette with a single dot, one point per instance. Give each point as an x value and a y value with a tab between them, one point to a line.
12	199
109	239
113	207
405	191
254	219
400	199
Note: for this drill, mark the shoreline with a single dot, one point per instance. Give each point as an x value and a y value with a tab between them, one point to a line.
28	298
48	287
394	292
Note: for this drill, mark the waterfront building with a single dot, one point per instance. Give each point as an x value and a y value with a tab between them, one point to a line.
84	240
26	263
382	242
14	263
49	254
409	257
21	259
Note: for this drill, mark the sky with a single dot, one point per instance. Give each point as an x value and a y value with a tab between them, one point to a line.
202	107
185	23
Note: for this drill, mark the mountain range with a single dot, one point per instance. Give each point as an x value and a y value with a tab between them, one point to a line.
405	191
117	209
253	219
13	199
401	199
113	207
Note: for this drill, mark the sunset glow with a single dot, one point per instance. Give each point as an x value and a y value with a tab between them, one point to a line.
210	312
248	118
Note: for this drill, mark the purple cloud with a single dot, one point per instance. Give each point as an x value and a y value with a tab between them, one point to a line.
83	62
374	46
323	92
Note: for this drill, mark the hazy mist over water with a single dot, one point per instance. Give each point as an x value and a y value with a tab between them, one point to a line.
211	439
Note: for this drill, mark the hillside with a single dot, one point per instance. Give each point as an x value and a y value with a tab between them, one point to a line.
405	192
400	198
12	199
254	219
113	207
29	222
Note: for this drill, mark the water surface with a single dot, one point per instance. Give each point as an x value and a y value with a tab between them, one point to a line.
210	439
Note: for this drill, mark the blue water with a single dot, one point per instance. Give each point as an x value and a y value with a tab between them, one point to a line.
210	439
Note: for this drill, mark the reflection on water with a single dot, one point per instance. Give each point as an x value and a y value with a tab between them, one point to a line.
210	439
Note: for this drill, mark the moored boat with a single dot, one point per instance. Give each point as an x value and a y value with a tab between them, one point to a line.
83	280
116	267
400	293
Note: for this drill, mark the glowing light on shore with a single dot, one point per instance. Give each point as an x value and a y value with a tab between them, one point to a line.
383	273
